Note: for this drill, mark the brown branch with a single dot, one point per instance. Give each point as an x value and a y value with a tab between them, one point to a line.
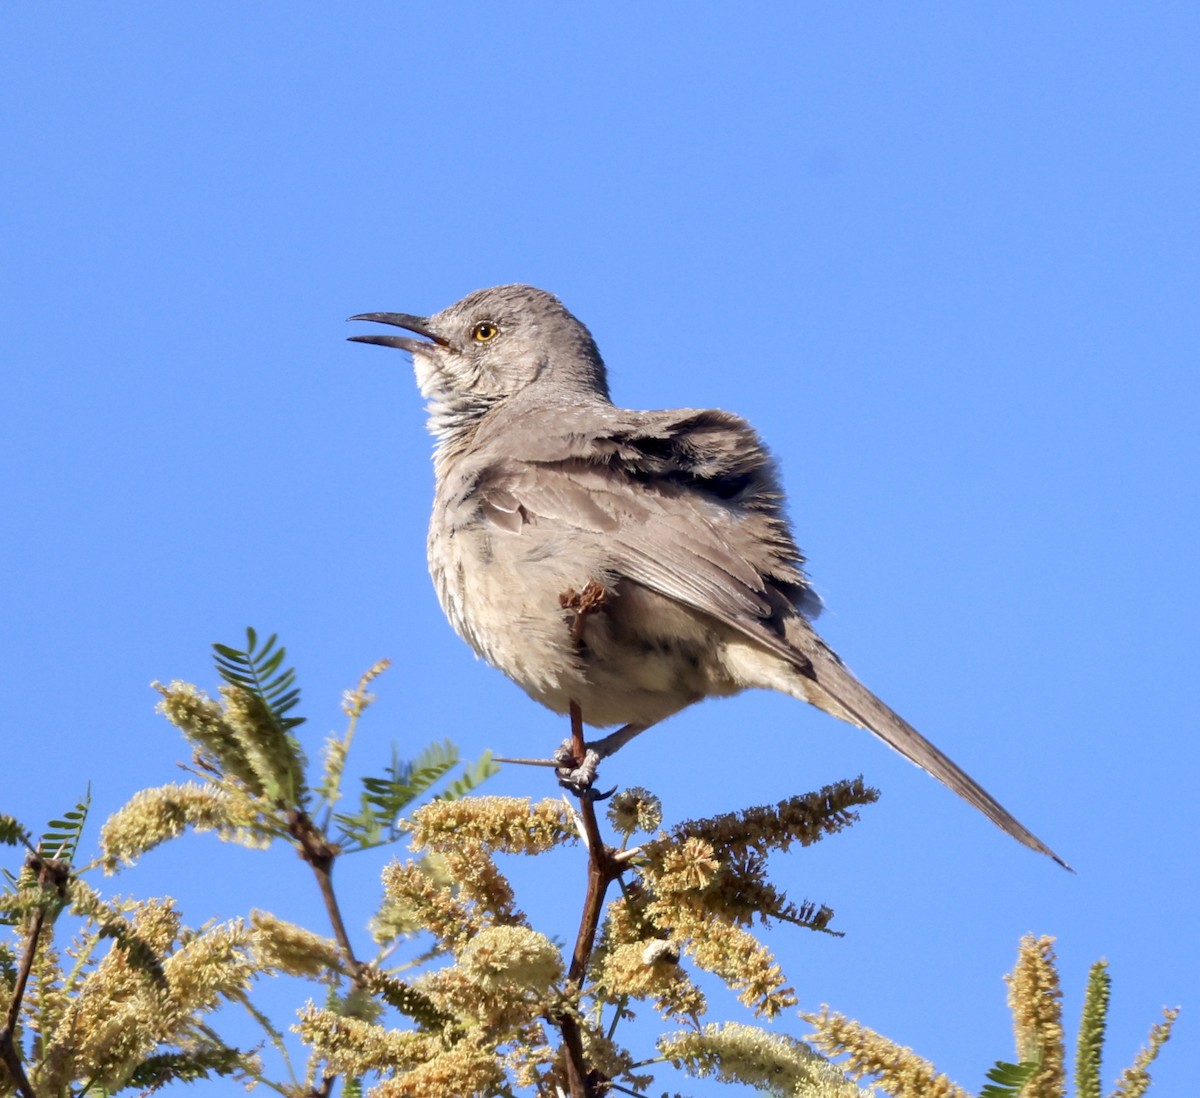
8	1048
578	746
573	1059
577	774
602	870
320	854
53	874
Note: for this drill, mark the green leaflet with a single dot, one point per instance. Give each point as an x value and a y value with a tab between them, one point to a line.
1006	1080
257	670
61	840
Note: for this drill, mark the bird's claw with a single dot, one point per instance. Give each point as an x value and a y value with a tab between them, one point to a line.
578	775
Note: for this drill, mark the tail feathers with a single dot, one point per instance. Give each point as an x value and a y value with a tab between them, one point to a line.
830	686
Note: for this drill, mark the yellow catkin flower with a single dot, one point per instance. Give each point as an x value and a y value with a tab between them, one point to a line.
214	964
272	754
478	878
529	1057
650	969
508	825
465	1070
1135	1080
124	1007
153	816
624	922
634	959
107	1045
736	1053
739	959
1035	997
628	970
285	947
414	898
47	996
156	923
486	1010
897	1070
202	721
351	1046
87	903
802	819
688	867
514	958
356	700
333	765
1089	1046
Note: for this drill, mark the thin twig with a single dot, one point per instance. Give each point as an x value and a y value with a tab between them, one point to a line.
52	874
578	746
602	870
319	853
527	762
583	604
8	1048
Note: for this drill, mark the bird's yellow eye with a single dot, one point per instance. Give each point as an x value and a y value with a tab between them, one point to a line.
484	331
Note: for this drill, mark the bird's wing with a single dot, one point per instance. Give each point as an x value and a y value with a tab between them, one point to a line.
686	502
688	505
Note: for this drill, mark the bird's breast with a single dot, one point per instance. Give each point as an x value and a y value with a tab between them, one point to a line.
637	658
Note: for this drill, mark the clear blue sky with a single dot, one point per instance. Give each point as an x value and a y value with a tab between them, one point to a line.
945	257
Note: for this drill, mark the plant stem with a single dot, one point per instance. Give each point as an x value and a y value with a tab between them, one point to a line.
8	1048
601	872
54	874
320	855
315	849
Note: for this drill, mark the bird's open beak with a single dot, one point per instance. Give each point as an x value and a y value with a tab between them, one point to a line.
418	324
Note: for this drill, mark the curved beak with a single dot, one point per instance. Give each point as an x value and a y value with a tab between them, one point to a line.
418	324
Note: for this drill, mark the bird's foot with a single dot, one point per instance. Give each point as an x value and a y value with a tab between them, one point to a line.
579	774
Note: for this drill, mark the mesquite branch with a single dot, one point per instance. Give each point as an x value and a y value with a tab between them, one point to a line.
50	875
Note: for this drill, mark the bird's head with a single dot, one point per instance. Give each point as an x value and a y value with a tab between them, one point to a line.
493	345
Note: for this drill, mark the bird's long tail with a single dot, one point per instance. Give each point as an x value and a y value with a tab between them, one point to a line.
827	684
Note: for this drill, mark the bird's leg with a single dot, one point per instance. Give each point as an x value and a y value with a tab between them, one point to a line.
614	741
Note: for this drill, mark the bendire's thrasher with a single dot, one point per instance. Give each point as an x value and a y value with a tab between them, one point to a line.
544	487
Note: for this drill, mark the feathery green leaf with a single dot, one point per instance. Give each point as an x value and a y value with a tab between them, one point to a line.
185	1067
473	776
383	799
257	669
11	831
61	838
1007	1080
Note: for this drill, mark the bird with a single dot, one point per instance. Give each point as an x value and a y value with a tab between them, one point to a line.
628	563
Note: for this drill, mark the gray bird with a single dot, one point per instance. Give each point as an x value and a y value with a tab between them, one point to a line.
544	487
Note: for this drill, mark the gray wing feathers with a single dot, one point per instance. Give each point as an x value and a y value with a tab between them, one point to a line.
687	502
651	539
